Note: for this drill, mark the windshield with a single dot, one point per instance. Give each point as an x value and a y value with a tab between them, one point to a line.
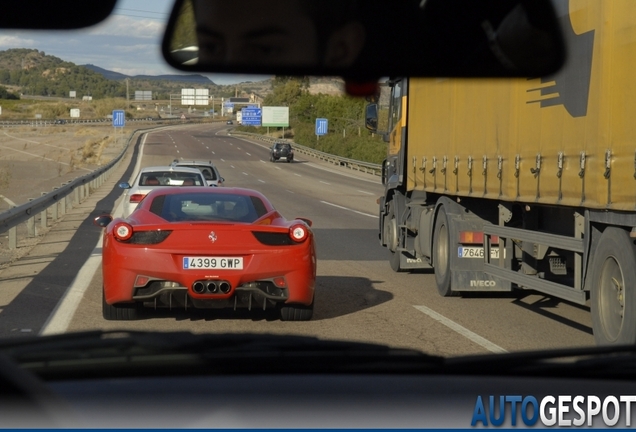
481	216
169	178
208	172
208	207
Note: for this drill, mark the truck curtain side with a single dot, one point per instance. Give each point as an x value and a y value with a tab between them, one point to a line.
525	183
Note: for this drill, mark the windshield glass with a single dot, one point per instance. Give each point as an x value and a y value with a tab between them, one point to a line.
170	178
208	207
481	216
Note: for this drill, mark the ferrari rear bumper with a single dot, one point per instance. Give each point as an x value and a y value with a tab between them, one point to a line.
261	294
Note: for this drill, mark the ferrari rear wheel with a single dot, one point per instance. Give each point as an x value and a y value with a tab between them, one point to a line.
296	312
120	311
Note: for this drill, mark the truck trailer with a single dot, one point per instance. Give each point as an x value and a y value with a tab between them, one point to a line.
502	184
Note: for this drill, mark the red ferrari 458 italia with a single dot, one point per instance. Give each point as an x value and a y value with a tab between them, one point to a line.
192	247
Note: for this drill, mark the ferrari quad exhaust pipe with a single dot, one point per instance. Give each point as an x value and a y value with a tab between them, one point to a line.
225	287
211	287
198	287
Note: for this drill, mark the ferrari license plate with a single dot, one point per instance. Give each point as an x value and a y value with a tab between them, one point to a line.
220	263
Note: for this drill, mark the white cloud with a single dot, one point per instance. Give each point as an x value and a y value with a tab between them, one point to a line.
118	25
15	42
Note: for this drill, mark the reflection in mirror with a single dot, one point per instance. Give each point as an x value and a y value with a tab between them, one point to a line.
124	185
102	220
284	32
365	40
371	117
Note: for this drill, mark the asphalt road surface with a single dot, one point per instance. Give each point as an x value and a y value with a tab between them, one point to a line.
358	296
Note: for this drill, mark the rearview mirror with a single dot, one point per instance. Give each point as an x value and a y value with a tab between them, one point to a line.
365	40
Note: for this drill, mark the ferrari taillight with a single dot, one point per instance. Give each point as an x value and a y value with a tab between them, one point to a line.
135	198
122	231
298	233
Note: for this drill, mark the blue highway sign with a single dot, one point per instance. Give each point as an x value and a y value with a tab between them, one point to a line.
252	116
119	118
321	126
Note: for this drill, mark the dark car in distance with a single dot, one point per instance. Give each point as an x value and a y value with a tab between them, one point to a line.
281	150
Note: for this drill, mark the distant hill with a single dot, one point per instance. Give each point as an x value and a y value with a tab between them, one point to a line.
194	79
34	72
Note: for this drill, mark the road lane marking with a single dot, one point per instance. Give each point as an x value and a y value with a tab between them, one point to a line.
222	160
248	154
277	168
324	182
351	210
365	192
295	174
65	309
64	312
261	181
483	342
263	161
244	173
289	191
232	166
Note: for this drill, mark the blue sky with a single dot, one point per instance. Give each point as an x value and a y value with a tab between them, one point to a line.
128	42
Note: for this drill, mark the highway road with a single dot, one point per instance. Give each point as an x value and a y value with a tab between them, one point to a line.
358	296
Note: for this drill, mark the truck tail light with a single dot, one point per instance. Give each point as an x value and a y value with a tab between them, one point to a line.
475	237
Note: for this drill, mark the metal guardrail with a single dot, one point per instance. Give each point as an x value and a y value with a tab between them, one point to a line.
54	205
367	167
52	122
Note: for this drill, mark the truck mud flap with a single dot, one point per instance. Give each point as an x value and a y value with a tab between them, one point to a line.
411	262
477	280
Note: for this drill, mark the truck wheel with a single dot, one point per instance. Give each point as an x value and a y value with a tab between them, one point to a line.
441	254
391	235
613	289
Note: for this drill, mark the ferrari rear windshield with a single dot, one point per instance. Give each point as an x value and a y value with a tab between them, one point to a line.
208	207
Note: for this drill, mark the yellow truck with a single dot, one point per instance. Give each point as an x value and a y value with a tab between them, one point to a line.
525	183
